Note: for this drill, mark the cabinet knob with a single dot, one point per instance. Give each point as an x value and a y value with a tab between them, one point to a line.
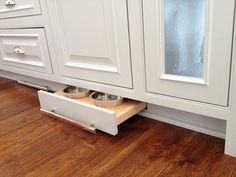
10	2
18	50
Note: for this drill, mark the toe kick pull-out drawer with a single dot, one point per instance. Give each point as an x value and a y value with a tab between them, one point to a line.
19	8
26	49
84	113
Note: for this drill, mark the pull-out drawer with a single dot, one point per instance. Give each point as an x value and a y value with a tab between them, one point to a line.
26	49
19	8
83	112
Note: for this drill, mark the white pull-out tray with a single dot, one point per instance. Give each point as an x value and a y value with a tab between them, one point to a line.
85	113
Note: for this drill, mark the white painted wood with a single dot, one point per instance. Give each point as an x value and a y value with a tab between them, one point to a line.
171	102
230	143
102	119
138	68
137	51
26	49
92	40
207	125
52	86
213	88
28	84
203	124
20	8
135	18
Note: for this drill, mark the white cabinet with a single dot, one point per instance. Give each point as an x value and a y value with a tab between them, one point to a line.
19	8
92	40
181	53
188	48
26	49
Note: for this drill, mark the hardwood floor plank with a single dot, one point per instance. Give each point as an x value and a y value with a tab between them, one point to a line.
12	88
22	138
16	93
224	166
94	152
3	81
198	158
18	121
234	173
16	99
149	155
116	145
42	150
17	108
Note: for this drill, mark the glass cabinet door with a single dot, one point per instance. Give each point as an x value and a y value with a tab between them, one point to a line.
188	48
184	30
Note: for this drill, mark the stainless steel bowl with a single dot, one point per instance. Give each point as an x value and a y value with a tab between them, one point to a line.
106	100
75	92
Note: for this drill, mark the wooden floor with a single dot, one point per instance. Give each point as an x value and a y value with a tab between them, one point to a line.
34	145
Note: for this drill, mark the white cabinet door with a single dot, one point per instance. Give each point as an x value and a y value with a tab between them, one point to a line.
92	40
188	48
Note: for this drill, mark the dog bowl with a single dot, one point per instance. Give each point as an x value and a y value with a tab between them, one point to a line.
75	92
106	100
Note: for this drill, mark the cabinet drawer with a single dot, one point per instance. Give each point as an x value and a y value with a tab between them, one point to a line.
84	112
19	8
26	49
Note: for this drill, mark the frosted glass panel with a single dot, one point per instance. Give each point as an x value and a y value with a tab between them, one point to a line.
184	37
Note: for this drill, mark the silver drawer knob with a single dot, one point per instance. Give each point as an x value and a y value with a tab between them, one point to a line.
10	2
18	50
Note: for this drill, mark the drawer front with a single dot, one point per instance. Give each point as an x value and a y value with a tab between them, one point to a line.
19	8
26	49
100	118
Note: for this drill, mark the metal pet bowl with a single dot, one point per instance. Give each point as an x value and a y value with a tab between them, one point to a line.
75	92
106	100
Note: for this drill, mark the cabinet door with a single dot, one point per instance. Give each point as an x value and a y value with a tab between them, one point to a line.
92	40
188	48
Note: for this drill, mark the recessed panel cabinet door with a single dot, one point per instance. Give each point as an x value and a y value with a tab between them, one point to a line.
92	40
188	48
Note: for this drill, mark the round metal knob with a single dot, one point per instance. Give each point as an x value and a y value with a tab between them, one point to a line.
18	50
10	2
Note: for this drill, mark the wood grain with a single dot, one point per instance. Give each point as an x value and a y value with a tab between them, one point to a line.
33	145
196	154
149	154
